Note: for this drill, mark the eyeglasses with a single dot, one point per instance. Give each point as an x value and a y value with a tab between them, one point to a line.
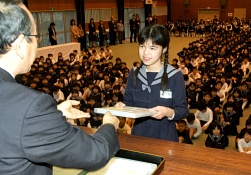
38	37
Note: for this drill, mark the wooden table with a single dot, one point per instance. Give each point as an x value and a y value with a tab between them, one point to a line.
188	159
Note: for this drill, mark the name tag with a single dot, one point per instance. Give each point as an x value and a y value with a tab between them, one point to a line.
166	94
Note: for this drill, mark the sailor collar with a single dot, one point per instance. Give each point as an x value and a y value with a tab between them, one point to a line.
143	76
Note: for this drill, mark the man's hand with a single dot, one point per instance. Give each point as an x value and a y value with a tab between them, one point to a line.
109	118
70	112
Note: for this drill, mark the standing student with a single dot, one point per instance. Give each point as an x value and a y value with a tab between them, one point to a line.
36	134
52	34
156	85
102	33
92	32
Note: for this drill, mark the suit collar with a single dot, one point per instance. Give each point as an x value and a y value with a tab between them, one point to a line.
6	76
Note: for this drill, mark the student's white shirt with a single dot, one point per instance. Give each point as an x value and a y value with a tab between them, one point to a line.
194	76
102	55
125	128
102	84
242	143
194	63
205	116
183	70
59	96
200	60
189	81
244	66
195	125
219	93
96	57
225	87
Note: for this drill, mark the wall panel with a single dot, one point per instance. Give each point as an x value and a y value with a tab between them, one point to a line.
191	11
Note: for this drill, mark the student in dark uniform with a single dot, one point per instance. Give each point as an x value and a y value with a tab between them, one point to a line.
52	34
156	85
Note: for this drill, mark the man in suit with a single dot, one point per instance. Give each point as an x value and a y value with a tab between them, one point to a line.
112	31
133	28
34	134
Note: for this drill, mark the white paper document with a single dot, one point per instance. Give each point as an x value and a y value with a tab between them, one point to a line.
122	166
127	111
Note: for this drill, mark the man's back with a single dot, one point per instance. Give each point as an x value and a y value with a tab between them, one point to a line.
34	134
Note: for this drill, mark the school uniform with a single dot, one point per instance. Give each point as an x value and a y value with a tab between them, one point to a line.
220	141
185	135
233	119
146	93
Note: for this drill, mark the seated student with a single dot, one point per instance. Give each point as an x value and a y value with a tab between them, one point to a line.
204	67
230	118
187	80
205	115
245	94
77	87
183	68
215	138
58	95
199	89
191	95
194	126
237	108
216	100
207	98
96	94
123	126
194	62
183	132
244	144
220	92
225	86
101	53
95	120
188	64
107	91
175	63
108	53
116	89
243	131
207	82
194	74
238	100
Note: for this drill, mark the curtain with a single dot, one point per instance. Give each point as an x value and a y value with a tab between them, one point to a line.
80	5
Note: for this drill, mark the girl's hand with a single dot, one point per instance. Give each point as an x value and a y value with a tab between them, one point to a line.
161	112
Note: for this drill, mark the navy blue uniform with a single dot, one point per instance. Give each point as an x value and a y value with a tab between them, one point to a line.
146	94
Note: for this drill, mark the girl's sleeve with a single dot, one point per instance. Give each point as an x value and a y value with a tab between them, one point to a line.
179	96
128	96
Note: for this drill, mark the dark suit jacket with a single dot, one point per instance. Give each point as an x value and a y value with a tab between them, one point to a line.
51	34
34	134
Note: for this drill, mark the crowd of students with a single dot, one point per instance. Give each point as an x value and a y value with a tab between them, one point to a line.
218	83
216	76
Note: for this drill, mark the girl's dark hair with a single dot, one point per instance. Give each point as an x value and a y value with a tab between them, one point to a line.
72	21
236	90
159	36
213	125
248	131
248	122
